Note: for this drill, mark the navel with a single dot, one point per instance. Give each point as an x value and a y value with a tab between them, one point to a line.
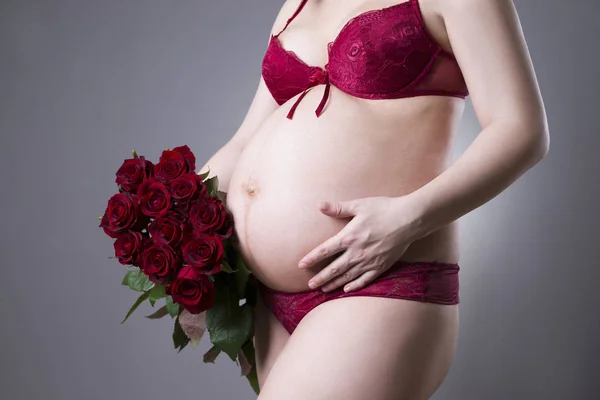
250	189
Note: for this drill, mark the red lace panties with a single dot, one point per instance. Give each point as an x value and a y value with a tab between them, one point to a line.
426	281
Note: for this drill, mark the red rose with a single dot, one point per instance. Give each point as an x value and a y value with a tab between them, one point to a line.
168	229
192	290
123	213
188	156
106	226
204	252
128	247
159	262
155	199
210	215
188	187
174	163
133	172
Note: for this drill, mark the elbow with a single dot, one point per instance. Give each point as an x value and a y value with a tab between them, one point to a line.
539	132
534	138
541	141
531	141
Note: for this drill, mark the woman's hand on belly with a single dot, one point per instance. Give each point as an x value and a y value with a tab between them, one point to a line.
379	233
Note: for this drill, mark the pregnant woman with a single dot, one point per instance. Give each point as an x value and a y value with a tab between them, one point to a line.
344	203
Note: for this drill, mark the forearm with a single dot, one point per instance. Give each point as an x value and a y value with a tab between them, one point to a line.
222	164
500	154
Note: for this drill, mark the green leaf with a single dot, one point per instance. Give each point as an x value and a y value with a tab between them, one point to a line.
135	305
157	292
222	196
211	354
125	281
225	267
135	154
249	352
137	281
241	275
161	312
180	340
172	308
253	380
204	174
212	184
228	324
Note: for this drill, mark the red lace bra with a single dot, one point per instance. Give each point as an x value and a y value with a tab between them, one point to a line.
380	54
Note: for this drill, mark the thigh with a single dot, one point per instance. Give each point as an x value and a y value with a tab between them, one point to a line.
269	339
362	347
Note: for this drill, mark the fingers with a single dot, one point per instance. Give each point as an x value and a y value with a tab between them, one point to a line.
339	266
327	249
362	281
338	209
343	269
341	279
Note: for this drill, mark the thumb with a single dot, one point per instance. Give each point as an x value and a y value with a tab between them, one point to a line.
338	209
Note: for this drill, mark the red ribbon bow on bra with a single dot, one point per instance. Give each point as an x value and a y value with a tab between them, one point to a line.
318	77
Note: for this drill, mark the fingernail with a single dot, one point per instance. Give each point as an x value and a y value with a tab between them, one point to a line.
347	288
312	284
302	264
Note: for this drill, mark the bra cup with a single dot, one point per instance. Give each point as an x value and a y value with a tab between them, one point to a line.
380	57
385	53
284	74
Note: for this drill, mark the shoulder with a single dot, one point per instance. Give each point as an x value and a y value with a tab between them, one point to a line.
288	7
457	8
489	44
285	11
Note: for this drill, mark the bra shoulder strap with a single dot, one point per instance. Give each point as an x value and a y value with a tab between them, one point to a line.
302	3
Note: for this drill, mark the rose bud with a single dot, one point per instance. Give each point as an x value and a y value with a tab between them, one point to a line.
210	215
133	172
155	199
160	262
192	290
128	247
204	252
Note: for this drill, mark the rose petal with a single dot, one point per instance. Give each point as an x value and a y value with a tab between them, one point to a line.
244	364
193	325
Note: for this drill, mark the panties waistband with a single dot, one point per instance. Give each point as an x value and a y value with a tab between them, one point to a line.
428	281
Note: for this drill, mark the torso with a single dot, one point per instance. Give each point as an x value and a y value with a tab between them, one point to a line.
357	148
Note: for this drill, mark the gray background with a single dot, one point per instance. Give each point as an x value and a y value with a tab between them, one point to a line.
84	82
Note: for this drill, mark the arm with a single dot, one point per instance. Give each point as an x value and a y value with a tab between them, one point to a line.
223	162
488	43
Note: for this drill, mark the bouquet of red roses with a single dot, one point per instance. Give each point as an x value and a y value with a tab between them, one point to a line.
172	229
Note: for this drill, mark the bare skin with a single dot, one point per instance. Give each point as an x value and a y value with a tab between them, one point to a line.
362	347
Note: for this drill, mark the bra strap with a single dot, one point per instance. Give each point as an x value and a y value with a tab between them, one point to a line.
302	3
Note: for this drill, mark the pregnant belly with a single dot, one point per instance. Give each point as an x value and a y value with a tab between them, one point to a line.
287	168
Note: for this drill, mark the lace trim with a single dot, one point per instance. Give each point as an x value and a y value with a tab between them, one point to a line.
430	282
